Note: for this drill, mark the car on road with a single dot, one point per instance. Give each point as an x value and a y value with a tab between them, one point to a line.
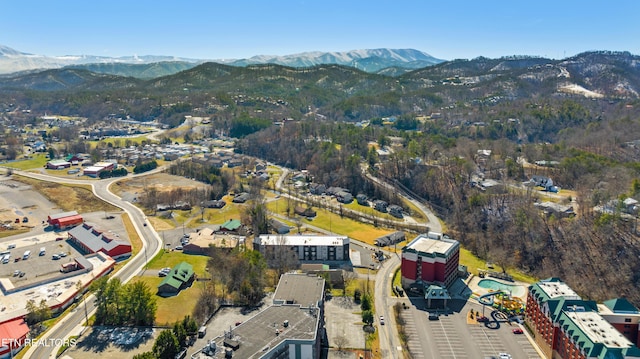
517	331
504	355
145	224
59	239
482	319
381	320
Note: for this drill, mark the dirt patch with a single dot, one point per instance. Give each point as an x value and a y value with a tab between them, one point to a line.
69	197
159	181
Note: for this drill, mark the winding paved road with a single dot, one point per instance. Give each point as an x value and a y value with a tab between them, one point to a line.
151	245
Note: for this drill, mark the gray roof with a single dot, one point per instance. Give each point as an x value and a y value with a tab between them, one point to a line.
257	336
94	239
299	289
63	214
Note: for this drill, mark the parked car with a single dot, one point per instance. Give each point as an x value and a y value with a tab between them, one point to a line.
62	254
178	248
59	239
517	331
482	319
55	257
164	271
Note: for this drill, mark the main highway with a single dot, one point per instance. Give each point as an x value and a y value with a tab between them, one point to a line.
151	245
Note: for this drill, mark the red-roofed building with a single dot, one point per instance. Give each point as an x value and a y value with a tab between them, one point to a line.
12	337
65	220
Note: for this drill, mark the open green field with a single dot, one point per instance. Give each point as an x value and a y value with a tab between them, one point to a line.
36	161
334	223
474	263
172	258
186	300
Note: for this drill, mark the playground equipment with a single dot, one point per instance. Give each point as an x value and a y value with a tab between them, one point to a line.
502	301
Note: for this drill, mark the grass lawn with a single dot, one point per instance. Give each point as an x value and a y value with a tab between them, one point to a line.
120	141
334	223
474	263
186	301
136	243
36	161
171	259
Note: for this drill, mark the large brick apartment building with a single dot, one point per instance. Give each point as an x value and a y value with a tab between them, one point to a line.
567	327
430	259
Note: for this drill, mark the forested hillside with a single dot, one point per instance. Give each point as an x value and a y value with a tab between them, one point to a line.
579	114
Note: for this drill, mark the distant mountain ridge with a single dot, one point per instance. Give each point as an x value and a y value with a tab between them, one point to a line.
374	60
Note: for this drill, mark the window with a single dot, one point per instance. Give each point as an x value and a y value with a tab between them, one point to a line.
627	320
627	326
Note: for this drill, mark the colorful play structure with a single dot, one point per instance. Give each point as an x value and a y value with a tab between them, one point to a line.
502	301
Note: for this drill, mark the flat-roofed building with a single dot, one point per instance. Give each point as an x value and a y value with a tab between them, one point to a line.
201	241
566	326
307	248
430	259
624	316
289	328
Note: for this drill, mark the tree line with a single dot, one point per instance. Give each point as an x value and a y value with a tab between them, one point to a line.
117	304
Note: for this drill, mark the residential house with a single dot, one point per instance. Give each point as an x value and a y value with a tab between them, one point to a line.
214	204
362	199
180	277
344	197
304	212
380	205
279	227
395	211
389	239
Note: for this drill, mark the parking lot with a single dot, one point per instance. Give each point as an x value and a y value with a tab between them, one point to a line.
38	267
453	335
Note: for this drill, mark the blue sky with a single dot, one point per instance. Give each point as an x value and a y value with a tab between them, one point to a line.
211	29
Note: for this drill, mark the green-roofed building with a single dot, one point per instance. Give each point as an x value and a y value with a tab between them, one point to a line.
180	277
231	225
624	316
566	326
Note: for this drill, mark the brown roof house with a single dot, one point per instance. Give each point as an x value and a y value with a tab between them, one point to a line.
305	212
